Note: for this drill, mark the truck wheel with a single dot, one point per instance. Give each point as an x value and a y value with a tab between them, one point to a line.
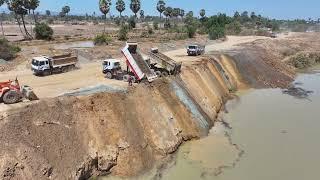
158	73
109	75
133	78
64	69
126	78
165	74
11	97
46	73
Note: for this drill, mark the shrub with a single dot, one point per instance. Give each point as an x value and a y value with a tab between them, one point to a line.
233	28
167	25
216	32
43	31
191	30
102	39
150	30
7	50
155	25
123	33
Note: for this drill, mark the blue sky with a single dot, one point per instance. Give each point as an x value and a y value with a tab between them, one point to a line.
281	9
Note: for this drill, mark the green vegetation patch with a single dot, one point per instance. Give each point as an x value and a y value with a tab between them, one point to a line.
7	50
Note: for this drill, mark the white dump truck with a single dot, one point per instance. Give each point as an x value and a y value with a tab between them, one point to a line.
162	64
137	67
195	49
112	69
45	65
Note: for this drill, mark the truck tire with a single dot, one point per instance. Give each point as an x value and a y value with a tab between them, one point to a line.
46	73
158	73
126	78
64	69
133	78
109	75
11	97
165	74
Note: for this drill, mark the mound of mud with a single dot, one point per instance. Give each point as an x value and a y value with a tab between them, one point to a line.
118	133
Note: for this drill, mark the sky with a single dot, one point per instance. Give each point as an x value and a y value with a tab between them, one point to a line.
279	9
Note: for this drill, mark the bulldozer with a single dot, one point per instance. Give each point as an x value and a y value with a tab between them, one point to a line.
11	92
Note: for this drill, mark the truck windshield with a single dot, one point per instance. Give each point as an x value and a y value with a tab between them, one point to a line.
35	62
192	47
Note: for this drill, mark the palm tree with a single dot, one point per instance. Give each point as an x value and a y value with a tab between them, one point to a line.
104	6
1	3
142	14
236	16
181	13
175	12
33	6
168	12
18	7
65	10
202	13
48	13
120	6
135	6
161	7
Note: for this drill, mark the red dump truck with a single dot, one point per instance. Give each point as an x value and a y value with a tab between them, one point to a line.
45	65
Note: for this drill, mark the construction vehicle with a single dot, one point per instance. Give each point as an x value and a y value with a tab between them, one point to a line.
136	63
112	69
163	65
195	49
11	92
45	65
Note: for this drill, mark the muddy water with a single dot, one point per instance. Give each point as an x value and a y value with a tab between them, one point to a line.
269	135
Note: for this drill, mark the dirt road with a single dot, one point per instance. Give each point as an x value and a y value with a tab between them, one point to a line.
232	42
90	73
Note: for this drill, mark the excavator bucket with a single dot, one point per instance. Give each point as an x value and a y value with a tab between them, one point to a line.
28	93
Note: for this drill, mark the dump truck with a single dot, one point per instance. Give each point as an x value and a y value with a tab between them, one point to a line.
195	49
11	92
162	64
136	63
45	65
112	69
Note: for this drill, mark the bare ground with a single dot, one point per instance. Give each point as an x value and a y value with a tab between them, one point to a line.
125	133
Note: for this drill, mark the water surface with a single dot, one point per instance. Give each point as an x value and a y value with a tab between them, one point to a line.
272	136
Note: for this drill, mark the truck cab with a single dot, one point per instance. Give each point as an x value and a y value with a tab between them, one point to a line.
40	64
110	67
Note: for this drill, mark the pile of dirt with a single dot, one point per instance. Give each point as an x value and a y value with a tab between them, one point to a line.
104	133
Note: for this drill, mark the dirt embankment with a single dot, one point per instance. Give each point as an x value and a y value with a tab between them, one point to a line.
125	133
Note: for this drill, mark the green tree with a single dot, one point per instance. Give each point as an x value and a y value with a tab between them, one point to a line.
245	17
161	7
135	6
181	13
120	6
43	31
237	16
104	6
202	13
253	16
1	3
48	13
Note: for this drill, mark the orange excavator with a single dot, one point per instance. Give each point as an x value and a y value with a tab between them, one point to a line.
11	92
